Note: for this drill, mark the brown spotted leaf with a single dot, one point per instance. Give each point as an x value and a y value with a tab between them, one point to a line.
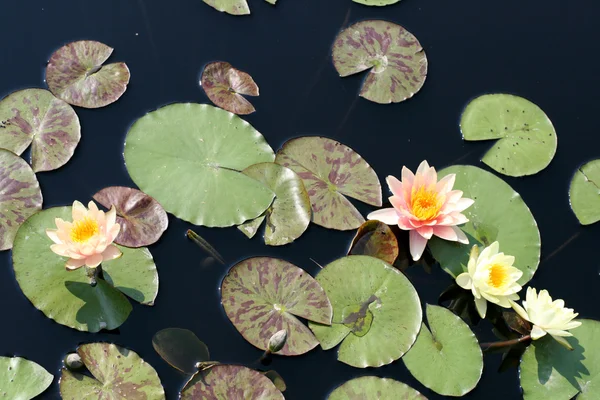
225	85
262	295
375	239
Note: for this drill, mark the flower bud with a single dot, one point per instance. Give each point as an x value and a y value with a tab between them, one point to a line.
277	341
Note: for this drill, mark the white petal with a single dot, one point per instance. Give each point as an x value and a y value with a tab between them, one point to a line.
520	310
462	238
563	342
537	332
481	305
78	211
388	216
463	204
464	281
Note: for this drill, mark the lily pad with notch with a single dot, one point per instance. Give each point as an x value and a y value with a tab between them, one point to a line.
181	349
21	379
225	86
375	239
374	388
584	193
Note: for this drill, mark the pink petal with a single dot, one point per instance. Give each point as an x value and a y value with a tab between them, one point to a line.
445	184
423	168
73	264
388	216
404	224
60	249
417	245
445	232
395	186
400	205
408	178
78	211
111	217
425	231
53	235
111	253
94	260
453	196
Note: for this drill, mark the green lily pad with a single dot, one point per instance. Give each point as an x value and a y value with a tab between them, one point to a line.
181	349
20	196
374	388
447	359
550	371
584	193
527	138
378	3
394	56
233	7
225	85
36	117
261	295
21	379
329	171
376	311
498	214
276	379
189	157
375	239
289	215
119	373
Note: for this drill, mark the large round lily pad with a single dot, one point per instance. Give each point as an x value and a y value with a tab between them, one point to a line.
375	239
527	138
20	196
225	85
498	214
181	348
374	388
36	117
22	379
189	157
262	295
447	358
329	171
376	311
119	373
584	193
394	56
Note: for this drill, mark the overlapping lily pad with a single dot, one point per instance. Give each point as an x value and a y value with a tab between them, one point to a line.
76	75
36	117
225	85
584	193
375	239
394	56
21	379
118	373
374	388
181	348
498	214
262	295
189	157
376	311
329	171
527	139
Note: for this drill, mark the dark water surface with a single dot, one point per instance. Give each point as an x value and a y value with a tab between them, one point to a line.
544	50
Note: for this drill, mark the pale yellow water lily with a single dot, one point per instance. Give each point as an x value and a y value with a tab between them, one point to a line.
88	239
491	277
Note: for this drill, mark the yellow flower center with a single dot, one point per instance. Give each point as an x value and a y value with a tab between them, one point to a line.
83	230
425	203
499	276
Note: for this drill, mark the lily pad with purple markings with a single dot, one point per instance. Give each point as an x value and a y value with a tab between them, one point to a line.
118	373
374	388
142	219
395	58
329	171
35	117
225	85
20	196
375	239
584	193
181	349
21	379
76	75
263	295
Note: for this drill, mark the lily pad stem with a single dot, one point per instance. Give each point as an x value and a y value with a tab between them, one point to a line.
94	274
505	343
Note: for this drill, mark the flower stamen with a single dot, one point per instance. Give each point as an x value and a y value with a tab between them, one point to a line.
499	276
425	203
83	230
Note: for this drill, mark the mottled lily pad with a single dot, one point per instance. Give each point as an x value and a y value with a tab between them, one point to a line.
329	171
76	75
276	379
527	139
233	7
21	379
142	219
262	295
118	373
189	157
395	58
36	117
289	215
225	85
20	196
376	311
498	214
374	388
375	239
584	193
181	348
447	359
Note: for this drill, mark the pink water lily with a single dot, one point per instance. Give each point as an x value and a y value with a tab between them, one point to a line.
425	207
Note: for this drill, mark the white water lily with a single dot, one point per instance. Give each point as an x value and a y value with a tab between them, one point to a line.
491	277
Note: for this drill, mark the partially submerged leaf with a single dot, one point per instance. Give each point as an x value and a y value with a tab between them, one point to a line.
584	193
181	348
374	388
276	379
225	85
21	379
233	7
375	239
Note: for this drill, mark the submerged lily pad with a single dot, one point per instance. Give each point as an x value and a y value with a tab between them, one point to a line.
119	373
76	75
21	379
142	219
376	311
225	85
374	388
375	239
289	215
397	62
584	193
36	117
527	138
181	348
189	157
20	196
447	359
498	214
262	295
329	171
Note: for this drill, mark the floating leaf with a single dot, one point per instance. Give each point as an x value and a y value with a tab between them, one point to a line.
584	193
118	373
36	117
375	239
261	295
329	171
397	62
376	2
233	7
76	75
225	85
498	214
374	388
289	215
21	379
276	379
447	359
376	311
181	348
189	158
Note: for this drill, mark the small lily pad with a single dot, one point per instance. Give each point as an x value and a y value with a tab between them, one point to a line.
329	171
225	85
181	348
233	7
76	75
374	388
394	56
375	239
21	379
584	193
527	138
36	117
378	3
262	295
276	379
